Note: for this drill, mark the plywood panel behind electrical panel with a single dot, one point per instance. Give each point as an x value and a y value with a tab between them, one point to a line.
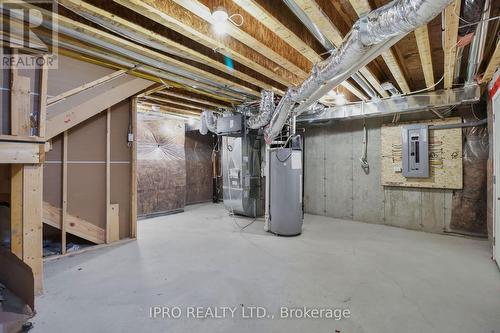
445	156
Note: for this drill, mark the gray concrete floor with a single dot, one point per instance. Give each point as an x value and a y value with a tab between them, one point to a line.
392	280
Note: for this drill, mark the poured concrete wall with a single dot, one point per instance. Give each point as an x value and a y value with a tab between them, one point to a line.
335	185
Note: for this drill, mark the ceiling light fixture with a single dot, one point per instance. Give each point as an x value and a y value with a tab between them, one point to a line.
220	17
340	99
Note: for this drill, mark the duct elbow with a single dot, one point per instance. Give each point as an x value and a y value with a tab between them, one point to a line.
266	111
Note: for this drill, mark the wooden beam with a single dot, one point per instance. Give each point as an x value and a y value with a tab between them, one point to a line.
333	34
451	22
85	86
492	65
173	16
192	98
424	50
162	59
32	221
166	44
362	7
64	203
108	174
16	210
163	107
268	19
71	114
19	152
133	171
153	74
44	74
170	101
255	35
397	73
74	225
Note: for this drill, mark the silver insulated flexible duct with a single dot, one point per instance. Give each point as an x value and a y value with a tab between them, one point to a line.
208	122
368	38
266	111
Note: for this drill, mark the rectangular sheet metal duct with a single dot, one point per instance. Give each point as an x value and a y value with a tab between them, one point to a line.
399	104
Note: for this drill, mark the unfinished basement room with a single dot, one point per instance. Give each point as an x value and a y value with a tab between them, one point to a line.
189	166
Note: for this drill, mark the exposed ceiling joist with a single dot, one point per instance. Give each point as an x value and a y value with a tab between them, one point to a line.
175	17
175	102
174	110
254	8
362	7
493	64
451	22
191	98
424	50
118	41
125	26
255	35
315	14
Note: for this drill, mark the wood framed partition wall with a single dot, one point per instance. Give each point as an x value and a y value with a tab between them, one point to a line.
22	138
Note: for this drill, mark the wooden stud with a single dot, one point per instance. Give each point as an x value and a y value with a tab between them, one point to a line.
32	222
492	65
43	97
451	22
64	204
108	174
16	210
133	171
20	104
113	223
424	50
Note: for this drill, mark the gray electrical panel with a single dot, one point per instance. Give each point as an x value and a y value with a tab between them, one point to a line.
286	213
415	150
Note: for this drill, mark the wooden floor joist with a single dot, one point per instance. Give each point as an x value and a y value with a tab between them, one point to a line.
175	17
192	98
256	35
362	7
492	65
424	50
451	22
332	33
166	43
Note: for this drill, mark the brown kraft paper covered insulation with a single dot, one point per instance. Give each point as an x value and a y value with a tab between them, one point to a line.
161	165
199	167
469	206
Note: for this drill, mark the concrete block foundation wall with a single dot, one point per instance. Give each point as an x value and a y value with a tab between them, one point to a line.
336	185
